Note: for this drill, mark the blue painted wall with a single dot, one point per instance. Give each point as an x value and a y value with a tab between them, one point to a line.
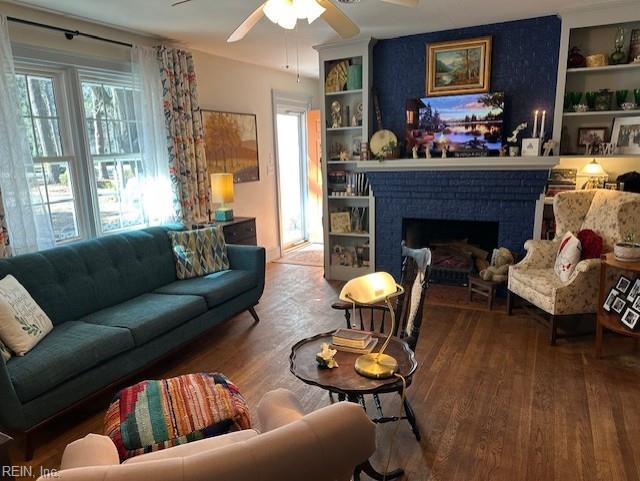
524	67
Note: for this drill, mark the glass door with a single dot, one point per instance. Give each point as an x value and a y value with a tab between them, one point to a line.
292	177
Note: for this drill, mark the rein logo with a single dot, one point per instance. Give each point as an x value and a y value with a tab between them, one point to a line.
27	472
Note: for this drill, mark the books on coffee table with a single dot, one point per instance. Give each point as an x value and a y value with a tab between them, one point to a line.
354	340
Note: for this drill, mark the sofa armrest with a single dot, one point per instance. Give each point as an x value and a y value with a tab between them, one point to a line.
278	408
247	258
11	412
92	450
541	254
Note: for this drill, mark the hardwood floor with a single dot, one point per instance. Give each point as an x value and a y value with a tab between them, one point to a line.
493	399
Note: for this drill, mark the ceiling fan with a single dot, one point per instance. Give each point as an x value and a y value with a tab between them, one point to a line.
287	12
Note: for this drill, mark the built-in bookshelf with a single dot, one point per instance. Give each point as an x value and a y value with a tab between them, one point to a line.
348	204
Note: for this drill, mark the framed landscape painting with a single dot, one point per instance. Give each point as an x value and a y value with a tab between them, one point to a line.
459	67
231	144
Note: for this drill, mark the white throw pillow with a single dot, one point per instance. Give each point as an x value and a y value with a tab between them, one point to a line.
5	353
568	256
23	324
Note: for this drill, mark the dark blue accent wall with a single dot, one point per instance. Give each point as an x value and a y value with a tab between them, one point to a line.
524	67
506	197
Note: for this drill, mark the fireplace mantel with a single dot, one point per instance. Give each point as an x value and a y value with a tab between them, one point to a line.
460	163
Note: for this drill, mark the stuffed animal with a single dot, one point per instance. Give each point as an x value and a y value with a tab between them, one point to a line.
498	271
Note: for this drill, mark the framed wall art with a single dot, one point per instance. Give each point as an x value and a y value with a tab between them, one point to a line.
231	144
459	67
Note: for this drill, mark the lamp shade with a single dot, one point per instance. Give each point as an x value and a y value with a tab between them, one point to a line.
593	169
370	289
222	188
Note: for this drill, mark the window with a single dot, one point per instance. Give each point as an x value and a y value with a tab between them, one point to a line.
112	133
50	150
89	176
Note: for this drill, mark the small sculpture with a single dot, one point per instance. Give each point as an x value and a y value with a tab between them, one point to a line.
344	156
428	149
514	136
503	151
336	115
325	357
414	151
548	147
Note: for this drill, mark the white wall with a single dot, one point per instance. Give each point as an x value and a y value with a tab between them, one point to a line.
223	84
232	86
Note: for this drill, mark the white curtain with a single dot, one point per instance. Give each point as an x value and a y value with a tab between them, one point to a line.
157	191
25	216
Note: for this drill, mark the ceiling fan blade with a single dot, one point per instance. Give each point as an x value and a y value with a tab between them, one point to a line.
180	3
247	25
404	3
338	20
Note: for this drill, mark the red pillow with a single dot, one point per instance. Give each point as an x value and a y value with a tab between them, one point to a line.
591	244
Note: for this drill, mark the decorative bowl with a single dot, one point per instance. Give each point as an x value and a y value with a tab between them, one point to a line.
628	106
627	251
580	108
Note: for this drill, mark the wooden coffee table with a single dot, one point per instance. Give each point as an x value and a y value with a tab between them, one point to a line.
347	383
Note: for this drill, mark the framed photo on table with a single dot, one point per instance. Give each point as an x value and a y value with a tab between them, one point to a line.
591	135
626	135
459	66
618	305
634	292
630	318
613	295
623	284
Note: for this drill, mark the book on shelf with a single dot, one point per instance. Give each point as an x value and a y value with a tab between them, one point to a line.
353	338
365	350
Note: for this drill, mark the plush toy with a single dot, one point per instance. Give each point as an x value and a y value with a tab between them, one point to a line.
498	271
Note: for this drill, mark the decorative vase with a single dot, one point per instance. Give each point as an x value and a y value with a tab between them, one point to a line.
603	100
621	97
618	56
627	251
354	77
591	99
636	96
576	59
574	98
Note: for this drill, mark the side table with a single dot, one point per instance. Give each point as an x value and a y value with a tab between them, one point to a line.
477	285
606	320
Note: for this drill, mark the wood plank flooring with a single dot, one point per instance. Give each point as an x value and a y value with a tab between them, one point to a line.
494	401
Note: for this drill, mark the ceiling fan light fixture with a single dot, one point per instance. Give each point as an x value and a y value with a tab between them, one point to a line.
274	9
309	9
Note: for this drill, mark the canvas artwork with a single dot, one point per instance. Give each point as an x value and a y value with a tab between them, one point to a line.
231	144
626	135
459	67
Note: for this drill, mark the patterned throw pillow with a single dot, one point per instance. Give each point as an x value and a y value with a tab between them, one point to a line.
23	324
199	252
568	257
4	351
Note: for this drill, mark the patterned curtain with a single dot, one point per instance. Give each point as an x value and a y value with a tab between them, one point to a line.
187	161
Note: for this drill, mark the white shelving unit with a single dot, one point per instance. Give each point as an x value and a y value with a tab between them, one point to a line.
593	31
344	138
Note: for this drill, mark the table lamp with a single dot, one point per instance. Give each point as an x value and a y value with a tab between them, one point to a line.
594	171
222	193
369	290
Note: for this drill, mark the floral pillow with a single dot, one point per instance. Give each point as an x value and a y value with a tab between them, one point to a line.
23	324
199	252
568	256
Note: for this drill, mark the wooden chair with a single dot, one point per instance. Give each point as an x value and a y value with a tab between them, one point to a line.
416	268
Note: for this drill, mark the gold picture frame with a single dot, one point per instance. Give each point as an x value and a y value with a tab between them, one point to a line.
459	67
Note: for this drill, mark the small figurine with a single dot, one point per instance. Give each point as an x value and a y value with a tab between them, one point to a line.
428	149
503	151
325	357
414	151
445	150
344	156
548	147
514	136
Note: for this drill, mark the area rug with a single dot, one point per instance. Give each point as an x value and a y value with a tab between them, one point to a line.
311	255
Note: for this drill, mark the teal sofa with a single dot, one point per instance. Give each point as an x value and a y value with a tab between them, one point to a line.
117	307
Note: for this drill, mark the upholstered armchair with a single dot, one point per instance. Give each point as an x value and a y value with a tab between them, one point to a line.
611	214
326	445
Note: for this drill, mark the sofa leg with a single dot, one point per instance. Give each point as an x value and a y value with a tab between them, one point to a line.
254	314
554	330
28	446
510	299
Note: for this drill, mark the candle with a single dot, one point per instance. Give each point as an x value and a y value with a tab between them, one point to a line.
535	125
544	117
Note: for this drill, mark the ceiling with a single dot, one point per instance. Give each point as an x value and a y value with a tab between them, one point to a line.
205	24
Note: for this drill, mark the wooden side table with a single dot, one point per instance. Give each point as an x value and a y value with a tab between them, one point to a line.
610	320
483	288
240	230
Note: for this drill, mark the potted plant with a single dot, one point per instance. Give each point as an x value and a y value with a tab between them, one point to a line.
628	250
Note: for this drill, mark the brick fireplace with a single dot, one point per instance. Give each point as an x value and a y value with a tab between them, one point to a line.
505	197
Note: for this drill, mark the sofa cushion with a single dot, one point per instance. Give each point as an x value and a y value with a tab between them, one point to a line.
543	281
199	252
72	281
149	315
68	350
215	288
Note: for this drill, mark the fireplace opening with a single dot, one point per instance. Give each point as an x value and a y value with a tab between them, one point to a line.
459	247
